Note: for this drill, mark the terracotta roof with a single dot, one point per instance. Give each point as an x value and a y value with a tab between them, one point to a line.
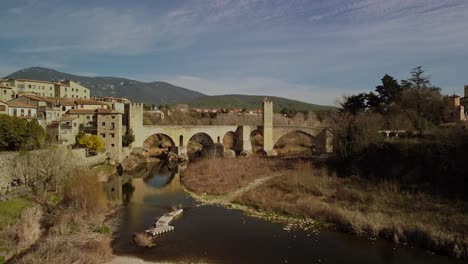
3	102
66	102
38	98
81	111
20	105
107	111
5	87
68	118
88	102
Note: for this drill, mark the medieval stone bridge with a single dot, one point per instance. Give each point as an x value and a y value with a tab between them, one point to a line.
180	135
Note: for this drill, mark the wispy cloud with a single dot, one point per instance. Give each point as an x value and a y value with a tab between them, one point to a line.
328	43
257	86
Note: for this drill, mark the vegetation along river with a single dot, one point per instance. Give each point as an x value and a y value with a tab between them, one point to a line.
212	234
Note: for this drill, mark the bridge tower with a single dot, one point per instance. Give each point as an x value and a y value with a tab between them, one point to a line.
268	127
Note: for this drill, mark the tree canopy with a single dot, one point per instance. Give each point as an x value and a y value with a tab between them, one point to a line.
20	134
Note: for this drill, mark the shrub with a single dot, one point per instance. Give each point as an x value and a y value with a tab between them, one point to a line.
83	193
92	142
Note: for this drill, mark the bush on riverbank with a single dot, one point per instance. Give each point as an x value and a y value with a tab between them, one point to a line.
434	161
78	226
221	176
367	208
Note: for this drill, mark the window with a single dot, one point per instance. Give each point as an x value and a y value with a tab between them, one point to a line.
64	108
87	118
29	112
112	145
113	117
2	108
73	90
22	112
112	125
103	135
74	124
4	91
73	96
103	124
112	135
29	86
85	97
65	89
51	88
15	112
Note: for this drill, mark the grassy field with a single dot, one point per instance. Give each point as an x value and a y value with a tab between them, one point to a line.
10	211
355	205
221	176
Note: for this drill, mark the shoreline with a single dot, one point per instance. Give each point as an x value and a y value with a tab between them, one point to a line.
289	221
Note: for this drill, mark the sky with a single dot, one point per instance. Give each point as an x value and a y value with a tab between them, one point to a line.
314	51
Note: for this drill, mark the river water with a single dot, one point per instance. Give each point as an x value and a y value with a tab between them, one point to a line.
212	234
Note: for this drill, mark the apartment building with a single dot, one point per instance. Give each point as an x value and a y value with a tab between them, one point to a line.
42	88
71	89
10	88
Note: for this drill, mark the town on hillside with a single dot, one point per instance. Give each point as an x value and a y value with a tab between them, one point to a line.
64	109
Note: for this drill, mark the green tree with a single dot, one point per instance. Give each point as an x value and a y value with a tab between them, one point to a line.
423	98
128	138
390	91
93	143
354	104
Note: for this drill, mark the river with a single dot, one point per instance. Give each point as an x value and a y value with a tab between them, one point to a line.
212	234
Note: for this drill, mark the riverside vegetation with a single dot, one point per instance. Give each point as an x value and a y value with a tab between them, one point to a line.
352	204
410	190
65	219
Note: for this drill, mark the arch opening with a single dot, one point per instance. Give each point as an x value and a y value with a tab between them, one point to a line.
295	143
158	144
256	139
200	145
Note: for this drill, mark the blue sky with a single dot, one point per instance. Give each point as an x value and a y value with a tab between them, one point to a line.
314	51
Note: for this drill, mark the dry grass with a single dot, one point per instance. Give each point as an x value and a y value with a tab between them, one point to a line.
79	228
143	240
22	234
365	208
220	176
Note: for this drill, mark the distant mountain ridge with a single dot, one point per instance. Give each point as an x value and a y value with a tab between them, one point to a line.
158	93
150	93
254	102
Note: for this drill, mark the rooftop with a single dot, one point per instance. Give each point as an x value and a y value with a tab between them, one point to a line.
88	102
20	105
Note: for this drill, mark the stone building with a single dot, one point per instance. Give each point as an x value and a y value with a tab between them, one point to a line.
3	107
24	110
64	130
42	88
110	130
456	111
464	100
6	92
71	89
67	88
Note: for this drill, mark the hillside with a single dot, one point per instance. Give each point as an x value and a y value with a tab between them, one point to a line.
253	102
150	93
161	92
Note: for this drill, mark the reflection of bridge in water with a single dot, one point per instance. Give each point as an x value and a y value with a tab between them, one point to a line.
179	135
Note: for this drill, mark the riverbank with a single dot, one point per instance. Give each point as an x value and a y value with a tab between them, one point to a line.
65	217
298	191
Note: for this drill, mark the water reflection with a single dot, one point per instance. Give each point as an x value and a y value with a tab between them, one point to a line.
217	235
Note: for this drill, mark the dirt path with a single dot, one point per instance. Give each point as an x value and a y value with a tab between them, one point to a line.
229	198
